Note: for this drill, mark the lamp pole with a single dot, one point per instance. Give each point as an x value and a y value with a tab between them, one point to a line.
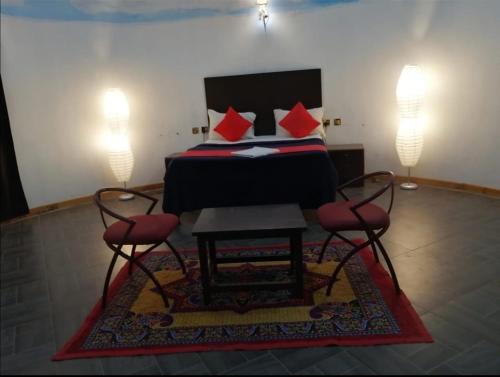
126	195
409	185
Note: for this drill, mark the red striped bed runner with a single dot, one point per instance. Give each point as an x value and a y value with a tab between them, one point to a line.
228	152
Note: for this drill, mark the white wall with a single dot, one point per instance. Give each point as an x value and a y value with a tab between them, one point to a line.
55	72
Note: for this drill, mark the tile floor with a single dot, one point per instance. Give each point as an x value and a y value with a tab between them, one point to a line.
445	246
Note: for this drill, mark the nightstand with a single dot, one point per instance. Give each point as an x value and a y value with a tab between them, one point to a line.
349	160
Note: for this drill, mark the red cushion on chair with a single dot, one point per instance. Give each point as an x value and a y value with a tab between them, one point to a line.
299	122
149	229
233	126
337	216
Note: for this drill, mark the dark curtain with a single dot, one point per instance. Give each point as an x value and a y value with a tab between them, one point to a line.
12	199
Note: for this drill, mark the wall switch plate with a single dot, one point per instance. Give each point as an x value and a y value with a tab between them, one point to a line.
204	129
337	122
196	130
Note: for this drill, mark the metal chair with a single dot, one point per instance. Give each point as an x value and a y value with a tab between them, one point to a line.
145	229
360	215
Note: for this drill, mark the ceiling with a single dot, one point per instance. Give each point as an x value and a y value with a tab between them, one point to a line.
147	10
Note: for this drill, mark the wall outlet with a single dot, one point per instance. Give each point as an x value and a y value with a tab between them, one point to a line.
204	129
337	122
196	130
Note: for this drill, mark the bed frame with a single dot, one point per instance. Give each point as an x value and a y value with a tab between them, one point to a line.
195	182
262	92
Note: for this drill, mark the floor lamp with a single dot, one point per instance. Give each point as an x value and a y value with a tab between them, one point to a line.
409	140
121	158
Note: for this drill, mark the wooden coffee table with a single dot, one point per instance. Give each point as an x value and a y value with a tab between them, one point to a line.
230	223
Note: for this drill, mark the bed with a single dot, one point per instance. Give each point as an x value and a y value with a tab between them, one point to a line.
209	175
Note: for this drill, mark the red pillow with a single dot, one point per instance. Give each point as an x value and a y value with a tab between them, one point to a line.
233	126
299	122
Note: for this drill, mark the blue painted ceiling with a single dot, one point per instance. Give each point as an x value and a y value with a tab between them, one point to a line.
146	10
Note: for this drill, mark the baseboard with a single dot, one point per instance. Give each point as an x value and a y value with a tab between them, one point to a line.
489	191
467	187
79	201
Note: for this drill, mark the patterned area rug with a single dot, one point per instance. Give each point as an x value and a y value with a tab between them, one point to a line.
362	310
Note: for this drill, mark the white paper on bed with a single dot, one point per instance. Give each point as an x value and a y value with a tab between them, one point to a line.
255	152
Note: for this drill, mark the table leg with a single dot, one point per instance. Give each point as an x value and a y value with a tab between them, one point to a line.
296	243
204	270
212	250
292	259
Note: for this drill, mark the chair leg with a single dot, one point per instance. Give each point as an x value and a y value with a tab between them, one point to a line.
346	240
325	244
179	259
142	267
132	255
153	278
342	262
389	264
374	248
108	277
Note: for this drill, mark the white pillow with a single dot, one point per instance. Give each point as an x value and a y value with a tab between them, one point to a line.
316	113
214	118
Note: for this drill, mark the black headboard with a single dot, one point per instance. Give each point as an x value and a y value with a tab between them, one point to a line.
262	92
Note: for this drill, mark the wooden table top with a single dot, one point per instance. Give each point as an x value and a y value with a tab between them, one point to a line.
271	217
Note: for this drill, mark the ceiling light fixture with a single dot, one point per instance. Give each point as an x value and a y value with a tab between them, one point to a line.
263	12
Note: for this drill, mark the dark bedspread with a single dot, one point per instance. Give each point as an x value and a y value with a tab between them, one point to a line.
307	177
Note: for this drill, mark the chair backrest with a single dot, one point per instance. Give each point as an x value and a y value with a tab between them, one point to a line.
104	209
390	184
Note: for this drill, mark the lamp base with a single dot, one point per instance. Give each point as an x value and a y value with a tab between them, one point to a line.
125	197
408	186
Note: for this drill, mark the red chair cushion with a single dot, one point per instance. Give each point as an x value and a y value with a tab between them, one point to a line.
337	216
299	122
149	229
233	126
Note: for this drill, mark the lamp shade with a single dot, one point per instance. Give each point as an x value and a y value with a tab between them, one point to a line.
116	111
122	163
410	91
121	158
115	105
409	142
